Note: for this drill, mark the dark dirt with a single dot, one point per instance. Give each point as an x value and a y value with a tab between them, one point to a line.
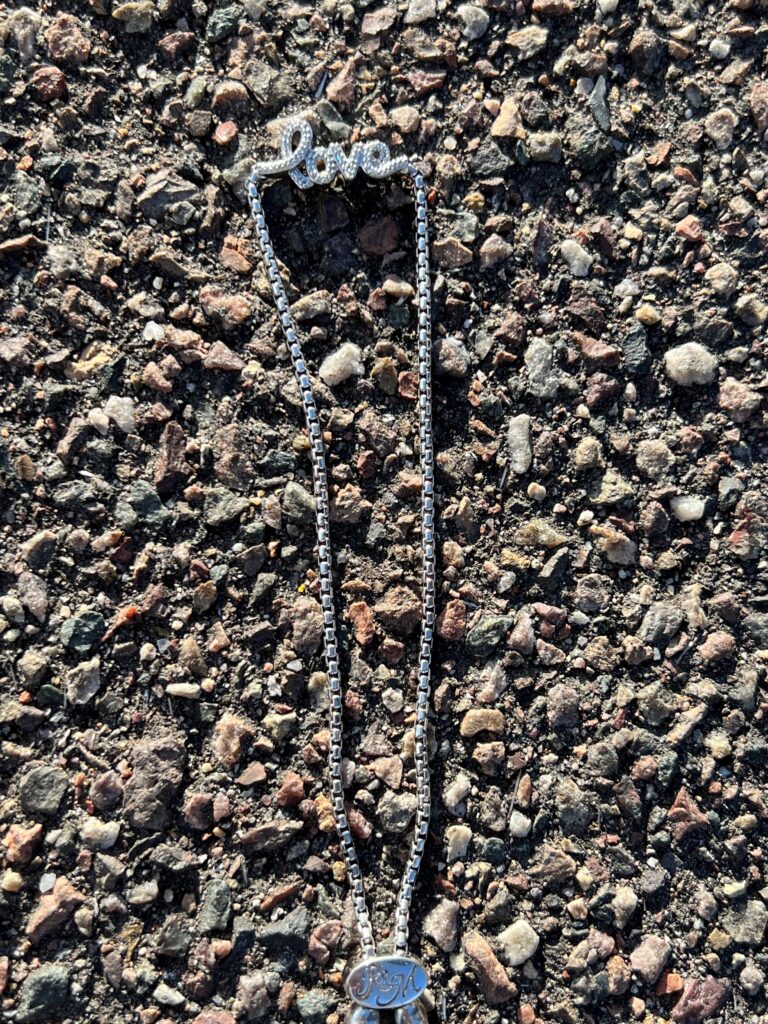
597	175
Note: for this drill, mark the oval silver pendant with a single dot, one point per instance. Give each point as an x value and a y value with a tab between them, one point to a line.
386	982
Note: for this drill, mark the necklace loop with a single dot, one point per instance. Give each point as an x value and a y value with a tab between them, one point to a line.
393	982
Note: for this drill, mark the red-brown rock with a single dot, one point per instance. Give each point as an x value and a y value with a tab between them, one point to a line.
49	83
493	980
685	816
53	909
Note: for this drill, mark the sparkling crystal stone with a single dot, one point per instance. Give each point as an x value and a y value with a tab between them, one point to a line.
362	1015
414	1013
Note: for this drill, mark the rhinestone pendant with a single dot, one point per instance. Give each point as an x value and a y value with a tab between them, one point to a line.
388	983
414	1013
361	1015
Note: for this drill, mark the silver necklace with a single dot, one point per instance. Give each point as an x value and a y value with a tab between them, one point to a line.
393	981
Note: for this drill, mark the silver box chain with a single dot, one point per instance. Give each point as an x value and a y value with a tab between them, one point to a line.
322	165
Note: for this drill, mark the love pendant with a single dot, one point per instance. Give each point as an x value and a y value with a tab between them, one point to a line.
387	983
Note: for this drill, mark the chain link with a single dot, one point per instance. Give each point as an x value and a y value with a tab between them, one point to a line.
324	562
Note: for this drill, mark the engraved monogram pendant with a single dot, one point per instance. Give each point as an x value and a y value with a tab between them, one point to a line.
387	983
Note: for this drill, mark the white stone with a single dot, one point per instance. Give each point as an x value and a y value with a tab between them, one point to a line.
624	904
519	444
687	508
518	943
189	691
458	838
153	331
752	979
99	420
84	681
576	256
475	20
420	10
519	825
494	250
100	835
720	48
122	413
722	278
456	793
690	364
345	362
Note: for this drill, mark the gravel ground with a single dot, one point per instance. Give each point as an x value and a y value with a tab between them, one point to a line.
598	186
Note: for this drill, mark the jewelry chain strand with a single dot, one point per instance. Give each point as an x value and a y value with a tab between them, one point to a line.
324	558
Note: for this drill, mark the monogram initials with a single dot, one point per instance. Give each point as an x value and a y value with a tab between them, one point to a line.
386	982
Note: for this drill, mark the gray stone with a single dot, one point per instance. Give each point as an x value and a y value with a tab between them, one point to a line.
223	506
464	226
603	759
489	161
660	623
746	924
315	1006
635	347
575	809
396	811
442	924
288	933
298	503
84	681
539	359
175	936
756	625
563	707
141	503
83	630
588	146
222	22
162	191
487	633
43	994
42	790
215	907
598	105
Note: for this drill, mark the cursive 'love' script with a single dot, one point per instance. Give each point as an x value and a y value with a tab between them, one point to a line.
323	163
